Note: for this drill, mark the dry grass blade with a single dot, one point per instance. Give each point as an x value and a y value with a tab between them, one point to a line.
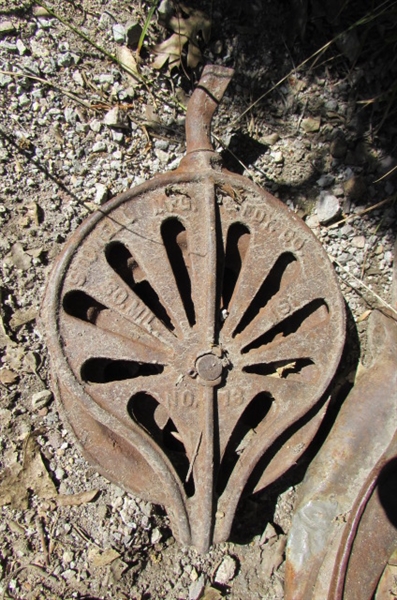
386	174
362	212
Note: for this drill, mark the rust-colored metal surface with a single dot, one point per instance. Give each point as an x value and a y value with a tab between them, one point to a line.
345	527
194	324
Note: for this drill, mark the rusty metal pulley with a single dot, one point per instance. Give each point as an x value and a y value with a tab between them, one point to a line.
194	324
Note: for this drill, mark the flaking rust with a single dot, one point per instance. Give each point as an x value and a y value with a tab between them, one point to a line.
194	325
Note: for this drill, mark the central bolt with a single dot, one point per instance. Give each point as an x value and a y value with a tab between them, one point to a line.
209	367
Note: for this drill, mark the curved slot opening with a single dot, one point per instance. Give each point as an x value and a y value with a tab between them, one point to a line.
242	435
280	368
269	288
126	267
82	306
105	370
237	243
147	412
311	315
175	242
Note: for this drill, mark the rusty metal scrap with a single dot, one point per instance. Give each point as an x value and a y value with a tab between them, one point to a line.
194	325
345	526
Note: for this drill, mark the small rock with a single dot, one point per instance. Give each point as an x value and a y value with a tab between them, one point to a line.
311	124
41	399
331	105
5	80
226	570
22	316
388	258
196	588
271	139
155	536
338	191
117	136
338	147
102	193
133	32
65	60
70	115
119	33
39	11
358	241
278	157
116	118
346	230
162	156
67	556
386	163
78	78
95	125
8	377
23	100
104	21
22	49
99	147
20	259
349	44
106	78
328	208
69	575
355	187
59	473
325	180
389	188
101	558
7	28
217	47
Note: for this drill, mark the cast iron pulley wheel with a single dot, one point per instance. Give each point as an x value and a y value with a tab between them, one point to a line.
194	325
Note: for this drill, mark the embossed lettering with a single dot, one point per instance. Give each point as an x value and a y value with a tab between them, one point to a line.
290	236
183	203
77	277
284	308
181	399
230	398
117	294
259	215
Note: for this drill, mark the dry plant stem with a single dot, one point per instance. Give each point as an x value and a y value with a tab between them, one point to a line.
84	536
45	82
362	284
386	174
362	212
85	37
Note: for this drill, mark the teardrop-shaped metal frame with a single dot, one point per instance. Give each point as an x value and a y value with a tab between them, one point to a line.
194	324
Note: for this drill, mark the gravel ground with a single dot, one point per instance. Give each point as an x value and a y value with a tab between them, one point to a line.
309	142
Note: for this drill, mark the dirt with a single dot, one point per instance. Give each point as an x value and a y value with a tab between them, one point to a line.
65	531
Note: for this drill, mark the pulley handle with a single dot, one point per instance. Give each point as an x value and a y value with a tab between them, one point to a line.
202	105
